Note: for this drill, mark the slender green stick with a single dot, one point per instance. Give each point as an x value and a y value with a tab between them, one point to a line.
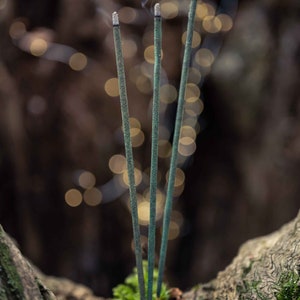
128	152
173	163
154	147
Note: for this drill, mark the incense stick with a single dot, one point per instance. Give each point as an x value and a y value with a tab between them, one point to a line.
154	147
128	152
173	164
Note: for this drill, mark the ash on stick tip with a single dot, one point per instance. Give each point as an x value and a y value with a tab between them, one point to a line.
115	19
157	10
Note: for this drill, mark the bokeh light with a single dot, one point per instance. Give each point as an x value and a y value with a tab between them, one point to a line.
177	217
164	148
144	84
168	93
178	190
144	206
188	131
149	54
169	9
134	123
195	108
17	29
160	196
194	76
226	22
87	180
179	177
78	61
137	177
117	163
73	197
187	146
203	10
190	121
111	87
92	196
137	137
212	24
204	57
127	15
174	230
146	177
196	40
192	92
129	48
38	47
143	212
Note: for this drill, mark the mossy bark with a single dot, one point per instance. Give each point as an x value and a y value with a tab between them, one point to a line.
17	278
265	268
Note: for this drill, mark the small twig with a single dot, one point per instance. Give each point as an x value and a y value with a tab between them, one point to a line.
154	147
173	164
128	152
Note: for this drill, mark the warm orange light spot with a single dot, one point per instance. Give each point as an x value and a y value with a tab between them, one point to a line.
111	87
117	163
204	57
73	197
196	40
38	47
92	197
87	180
168	93
78	61
169	9
17	29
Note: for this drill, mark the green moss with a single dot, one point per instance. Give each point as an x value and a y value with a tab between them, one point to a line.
11	287
289	286
246	288
247	269
130	289
2	292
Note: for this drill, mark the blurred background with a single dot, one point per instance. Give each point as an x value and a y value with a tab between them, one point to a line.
63	185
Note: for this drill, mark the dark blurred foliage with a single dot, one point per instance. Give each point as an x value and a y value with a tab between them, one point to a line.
58	119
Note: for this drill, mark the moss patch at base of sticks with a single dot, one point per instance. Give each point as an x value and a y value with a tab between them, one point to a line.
130	289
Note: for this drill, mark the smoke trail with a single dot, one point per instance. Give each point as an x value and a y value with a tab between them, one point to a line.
144	2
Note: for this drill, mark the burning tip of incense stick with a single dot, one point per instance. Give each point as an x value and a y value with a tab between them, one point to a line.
115	19
157	10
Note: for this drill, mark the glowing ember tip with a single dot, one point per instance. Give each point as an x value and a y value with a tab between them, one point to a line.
157	10
115	19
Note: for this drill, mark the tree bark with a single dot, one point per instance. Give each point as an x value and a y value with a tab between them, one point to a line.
263	268
18	279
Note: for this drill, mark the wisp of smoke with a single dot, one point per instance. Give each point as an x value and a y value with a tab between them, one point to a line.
144	2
